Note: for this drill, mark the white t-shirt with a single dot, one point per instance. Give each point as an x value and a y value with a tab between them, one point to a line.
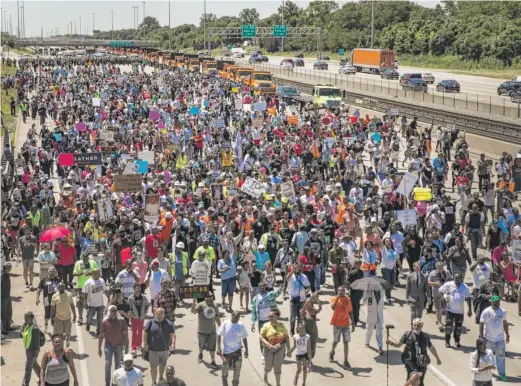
155	281
95	290
232	335
297	286
457	296
122	377
480	275
350	249
201	272
493	320
301	343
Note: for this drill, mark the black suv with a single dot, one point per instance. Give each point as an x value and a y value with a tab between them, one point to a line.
389	73
508	88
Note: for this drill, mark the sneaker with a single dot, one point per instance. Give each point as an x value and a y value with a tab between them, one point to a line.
200	358
26	285
503	377
80	321
331	357
31	287
458	344
87	327
213	365
347	366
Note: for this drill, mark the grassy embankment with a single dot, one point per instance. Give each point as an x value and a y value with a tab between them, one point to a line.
9	121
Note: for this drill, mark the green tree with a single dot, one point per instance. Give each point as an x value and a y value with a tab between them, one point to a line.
249	16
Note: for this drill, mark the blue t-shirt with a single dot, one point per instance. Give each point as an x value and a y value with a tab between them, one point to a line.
158	338
261	260
232	272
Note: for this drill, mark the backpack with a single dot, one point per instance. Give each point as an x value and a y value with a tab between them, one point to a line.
42	338
396	146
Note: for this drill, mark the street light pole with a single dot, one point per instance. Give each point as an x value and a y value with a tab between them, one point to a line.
80	23
112	32
18	21
283	24
93	27
372	23
144	18
23	17
169	27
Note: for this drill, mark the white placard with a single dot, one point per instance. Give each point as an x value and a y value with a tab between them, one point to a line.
252	187
238	103
407	217
287	189
516	251
395	111
130	168
406	184
259	106
147	155
96	102
201	274
246	107
106	135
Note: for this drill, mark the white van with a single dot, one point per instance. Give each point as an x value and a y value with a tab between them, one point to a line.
517	79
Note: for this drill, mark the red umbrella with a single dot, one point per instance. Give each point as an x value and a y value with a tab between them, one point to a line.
54	234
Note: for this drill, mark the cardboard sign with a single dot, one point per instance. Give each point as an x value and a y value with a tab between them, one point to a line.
193	291
257	122
147	155
127	183
259	106
516	251
66	159
238	103
253	187
201	275
287	189
407	217
86	159
106	135
96	102
407	184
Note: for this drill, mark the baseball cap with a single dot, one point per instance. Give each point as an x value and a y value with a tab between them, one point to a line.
495	298
128	358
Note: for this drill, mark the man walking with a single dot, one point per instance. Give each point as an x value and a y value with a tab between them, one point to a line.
493	326
94	288
33	339
455	293
114	331
374	317
62	310
234	337
208	316
342	313
416	291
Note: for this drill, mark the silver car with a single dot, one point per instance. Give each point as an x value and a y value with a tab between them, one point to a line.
428	77
347	69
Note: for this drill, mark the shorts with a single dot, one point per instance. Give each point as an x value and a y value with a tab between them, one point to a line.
302	357
28	263
343	332
439	303
81	300
158	358
62	327
207	341
228	286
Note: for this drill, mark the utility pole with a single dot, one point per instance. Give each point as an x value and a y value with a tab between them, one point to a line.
93	27
75	29
80	23
372	23
11	24
18	21
282	24
135	8
170	27
143	19
112	31
204	23
71	27
2	14
23	17
41	33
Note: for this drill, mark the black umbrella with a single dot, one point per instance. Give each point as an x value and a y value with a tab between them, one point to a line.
372	283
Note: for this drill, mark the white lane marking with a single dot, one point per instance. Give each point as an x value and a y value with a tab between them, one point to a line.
83	361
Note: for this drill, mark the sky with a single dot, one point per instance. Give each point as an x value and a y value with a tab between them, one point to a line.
57	15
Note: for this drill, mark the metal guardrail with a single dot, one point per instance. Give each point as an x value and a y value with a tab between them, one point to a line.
486	127
489	105
49	42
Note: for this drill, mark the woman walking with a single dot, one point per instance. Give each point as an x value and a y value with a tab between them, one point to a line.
482	362
56	363
302	344
275	340
309	316
388	266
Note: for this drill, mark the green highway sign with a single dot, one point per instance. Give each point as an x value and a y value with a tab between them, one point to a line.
230	47
249	31
341	52
280	31
112	43
120	44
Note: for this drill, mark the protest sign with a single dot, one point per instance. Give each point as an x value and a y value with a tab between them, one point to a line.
201	273
106	135
516	251
326	121
161	125
287	189
226	145
130	168
246	107
147	155
151	208
105	209
80	126
252	187
142	166
96	102
259	106
395	112
238	103
194	110
66	159
193	291
406	184
86	159
407	217
127	183
257	122
153	115
219	122
58	137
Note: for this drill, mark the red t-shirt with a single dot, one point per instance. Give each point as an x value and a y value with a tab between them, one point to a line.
67	255
113	329
152	244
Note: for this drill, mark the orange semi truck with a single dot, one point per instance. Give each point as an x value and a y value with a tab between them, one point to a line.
372	60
